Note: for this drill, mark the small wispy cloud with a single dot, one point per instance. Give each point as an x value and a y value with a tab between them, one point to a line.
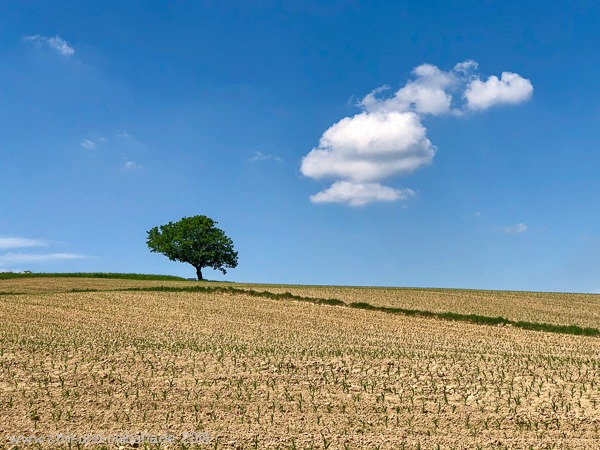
25	258
18	242
55	43
259	156
131	165
122	134
88	143
514	229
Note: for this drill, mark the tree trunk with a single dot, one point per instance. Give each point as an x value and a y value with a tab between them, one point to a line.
199	273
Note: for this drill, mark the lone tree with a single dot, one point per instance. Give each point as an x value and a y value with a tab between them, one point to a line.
196	241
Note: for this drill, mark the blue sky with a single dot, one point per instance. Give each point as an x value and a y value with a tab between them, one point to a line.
477	167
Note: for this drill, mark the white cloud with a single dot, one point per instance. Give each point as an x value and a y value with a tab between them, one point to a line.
131	165
122	134
370	147
259	156
88	143
466	68
358	194
514	229
511	88
17	242
24	258
56	43
427	94
430	92
388	138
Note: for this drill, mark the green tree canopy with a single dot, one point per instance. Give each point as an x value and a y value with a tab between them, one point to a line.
196	241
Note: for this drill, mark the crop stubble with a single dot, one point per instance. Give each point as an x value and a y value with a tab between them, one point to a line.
269	373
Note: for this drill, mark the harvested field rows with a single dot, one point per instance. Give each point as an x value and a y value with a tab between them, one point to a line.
60	284
555	308
263	373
